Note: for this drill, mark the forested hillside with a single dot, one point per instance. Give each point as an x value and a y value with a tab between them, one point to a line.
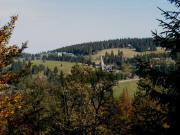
140	44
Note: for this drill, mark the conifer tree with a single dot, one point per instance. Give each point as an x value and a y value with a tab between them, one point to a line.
163	87
55	70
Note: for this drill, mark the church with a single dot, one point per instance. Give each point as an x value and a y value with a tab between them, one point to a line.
104	67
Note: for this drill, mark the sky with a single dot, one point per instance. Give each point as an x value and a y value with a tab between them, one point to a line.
52	24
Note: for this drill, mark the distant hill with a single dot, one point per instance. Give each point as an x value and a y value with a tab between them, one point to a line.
126	52
140	45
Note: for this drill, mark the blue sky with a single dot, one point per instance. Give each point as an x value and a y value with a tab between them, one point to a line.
51	24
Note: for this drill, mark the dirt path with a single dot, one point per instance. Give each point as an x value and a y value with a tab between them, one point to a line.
129	80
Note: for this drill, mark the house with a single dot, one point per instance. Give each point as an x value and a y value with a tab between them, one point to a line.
60	54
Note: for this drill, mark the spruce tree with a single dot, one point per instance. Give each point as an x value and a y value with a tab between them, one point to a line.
164	86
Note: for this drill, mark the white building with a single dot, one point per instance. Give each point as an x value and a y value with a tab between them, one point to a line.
106	67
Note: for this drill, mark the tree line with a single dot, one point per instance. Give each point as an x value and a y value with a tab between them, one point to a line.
140	44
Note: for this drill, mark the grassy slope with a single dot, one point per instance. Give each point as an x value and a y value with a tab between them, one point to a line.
66	66
130	85
127	52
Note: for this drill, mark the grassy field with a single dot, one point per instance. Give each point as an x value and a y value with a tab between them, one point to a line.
66	66
127	52
130	85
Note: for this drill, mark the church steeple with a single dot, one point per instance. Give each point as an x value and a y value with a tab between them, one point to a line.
102	64
104	67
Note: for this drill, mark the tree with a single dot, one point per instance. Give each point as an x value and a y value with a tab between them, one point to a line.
118	115
62	78
41	104
32	58
55	70
170	39
84	95
11	105
44	59
163	87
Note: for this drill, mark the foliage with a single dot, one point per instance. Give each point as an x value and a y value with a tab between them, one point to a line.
82	99
41	104
148	116
114	59
117	115
11	105
141	45
160	87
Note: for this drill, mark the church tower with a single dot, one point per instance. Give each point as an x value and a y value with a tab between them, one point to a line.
102	64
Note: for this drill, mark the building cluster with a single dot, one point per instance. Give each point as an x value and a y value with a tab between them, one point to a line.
65	54
56	54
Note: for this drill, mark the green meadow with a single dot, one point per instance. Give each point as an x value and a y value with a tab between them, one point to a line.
61	65
130	85
126	51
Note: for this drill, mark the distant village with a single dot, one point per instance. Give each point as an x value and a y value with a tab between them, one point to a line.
42	55
56	54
